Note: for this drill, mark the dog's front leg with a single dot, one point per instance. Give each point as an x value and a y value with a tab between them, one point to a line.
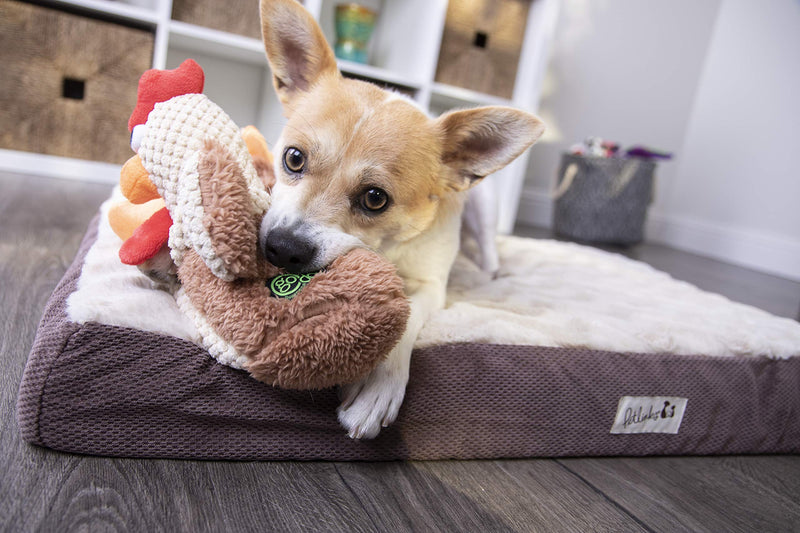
374	401
480	220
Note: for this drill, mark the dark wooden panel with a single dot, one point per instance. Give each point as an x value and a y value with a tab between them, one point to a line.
700	493
481	45
531	495
42	221
234	16
139	495
410	497
69	82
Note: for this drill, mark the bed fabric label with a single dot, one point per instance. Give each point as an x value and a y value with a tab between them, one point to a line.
649	414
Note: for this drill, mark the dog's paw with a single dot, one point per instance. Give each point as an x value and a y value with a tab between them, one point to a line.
372	403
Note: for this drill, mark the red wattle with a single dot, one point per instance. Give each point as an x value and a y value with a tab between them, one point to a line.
147	239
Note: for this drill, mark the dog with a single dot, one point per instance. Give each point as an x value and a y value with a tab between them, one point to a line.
360	166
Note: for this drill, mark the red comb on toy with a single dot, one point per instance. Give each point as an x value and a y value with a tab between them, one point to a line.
160	85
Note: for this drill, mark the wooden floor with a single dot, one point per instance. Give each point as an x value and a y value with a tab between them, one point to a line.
41	223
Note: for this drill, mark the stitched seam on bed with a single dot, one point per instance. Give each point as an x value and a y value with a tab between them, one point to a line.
55	361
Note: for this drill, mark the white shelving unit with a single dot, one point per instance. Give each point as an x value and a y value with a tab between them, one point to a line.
404	53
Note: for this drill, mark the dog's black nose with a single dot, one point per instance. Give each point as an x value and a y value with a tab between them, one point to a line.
285	249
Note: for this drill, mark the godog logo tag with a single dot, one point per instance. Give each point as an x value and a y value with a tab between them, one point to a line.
649	414
288	285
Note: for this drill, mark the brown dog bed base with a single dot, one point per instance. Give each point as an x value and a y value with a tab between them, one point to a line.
109	390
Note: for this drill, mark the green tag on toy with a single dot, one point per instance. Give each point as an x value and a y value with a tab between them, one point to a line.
288	285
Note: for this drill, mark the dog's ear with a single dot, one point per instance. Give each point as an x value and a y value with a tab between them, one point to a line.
297	51
478	142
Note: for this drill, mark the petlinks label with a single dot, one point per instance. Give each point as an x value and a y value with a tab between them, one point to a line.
649	414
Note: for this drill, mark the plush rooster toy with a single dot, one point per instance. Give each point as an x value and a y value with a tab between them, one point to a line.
194	194
143	221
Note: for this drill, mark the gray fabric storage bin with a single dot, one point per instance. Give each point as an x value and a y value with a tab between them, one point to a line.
603	199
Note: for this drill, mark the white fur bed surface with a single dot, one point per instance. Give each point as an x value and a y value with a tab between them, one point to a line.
551	293
110	292
548	293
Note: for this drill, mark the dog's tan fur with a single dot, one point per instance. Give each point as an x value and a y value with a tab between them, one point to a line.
405	164
356	136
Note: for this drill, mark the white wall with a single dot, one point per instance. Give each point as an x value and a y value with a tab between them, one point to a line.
235	86
625	70
738	177
713	81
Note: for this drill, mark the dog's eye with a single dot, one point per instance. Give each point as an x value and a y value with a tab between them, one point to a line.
294	160
374	200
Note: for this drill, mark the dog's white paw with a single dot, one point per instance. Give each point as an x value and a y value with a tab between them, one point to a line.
373	402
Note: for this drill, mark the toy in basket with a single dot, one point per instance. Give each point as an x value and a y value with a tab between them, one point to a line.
603	194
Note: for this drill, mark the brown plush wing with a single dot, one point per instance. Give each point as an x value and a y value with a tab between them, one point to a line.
228	209
333	332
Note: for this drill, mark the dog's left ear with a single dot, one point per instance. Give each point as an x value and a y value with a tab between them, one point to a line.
297	51
478	142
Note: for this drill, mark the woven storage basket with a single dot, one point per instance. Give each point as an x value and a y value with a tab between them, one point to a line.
481	45
603	199
68	82
233	16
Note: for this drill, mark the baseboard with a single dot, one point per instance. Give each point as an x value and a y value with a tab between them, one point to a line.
777	255
773	254
58	167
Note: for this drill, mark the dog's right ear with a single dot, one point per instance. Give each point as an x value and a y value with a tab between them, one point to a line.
478	142
297	51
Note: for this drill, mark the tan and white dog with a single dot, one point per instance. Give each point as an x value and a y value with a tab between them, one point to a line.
359	166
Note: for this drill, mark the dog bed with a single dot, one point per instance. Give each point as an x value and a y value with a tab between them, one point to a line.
569	351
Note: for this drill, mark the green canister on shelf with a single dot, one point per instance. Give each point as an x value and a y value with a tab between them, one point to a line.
354	25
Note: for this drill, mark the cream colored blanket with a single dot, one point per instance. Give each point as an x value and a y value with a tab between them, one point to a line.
547	293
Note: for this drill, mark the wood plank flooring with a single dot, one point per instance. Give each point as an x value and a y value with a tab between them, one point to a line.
41	223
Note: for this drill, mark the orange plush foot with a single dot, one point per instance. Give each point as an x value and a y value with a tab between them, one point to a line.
124	217
135	182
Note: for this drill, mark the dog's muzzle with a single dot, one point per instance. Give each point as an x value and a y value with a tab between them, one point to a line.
285	248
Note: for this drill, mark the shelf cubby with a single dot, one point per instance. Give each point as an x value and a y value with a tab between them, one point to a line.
404	53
